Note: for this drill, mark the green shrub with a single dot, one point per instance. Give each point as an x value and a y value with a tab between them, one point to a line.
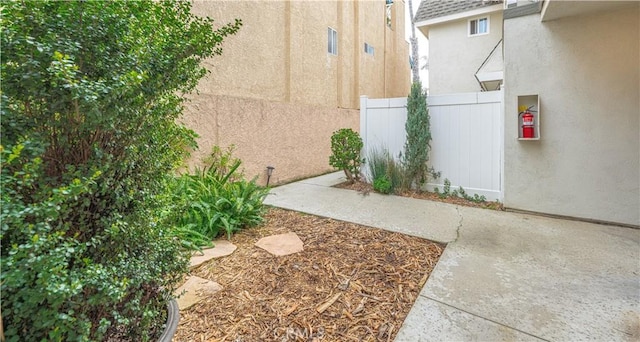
446	189
345	148
378	163
62	286
216	199
446	192
475	198
398	175
383	166
222	162
382	184
91	91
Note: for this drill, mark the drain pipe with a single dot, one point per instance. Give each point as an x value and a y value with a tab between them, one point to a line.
269	173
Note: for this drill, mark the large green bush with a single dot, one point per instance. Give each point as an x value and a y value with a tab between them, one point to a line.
91	91
215	199
346	146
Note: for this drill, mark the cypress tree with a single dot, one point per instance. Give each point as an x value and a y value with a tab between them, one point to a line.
418	144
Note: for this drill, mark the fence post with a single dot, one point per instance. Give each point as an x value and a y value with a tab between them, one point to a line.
363	120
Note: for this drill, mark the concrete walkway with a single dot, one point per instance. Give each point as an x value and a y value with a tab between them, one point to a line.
503	276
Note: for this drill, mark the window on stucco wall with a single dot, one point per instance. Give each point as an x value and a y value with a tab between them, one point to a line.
332	41
478	26
368	49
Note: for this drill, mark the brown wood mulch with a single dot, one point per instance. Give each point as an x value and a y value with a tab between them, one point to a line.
366	188
351	283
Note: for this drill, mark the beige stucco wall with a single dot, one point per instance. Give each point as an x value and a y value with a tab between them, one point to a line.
280	53
454	57
397	70
387	73
254	60
372	76
586	72
278	95
293	138
314	72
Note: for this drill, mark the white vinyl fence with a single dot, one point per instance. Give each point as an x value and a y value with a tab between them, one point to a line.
466	129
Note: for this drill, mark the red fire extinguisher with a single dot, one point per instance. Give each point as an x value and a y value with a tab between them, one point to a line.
527	123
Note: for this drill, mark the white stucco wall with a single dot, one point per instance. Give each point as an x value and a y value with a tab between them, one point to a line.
586	72
454	57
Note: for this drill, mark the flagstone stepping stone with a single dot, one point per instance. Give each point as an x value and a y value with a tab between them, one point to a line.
221	249
282	244
196	289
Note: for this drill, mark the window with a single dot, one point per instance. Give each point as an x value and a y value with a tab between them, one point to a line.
332	39
478	26
368	49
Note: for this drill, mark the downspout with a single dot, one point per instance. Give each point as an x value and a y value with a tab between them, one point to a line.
384	59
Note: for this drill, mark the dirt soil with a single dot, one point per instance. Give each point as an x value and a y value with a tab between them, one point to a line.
351	283
366	188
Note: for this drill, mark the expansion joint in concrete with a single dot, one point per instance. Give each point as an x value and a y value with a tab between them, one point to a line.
486	319
461	218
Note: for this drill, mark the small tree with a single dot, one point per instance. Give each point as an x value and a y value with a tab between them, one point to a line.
418	144
345	147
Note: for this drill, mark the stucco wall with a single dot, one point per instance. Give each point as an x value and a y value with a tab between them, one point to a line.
372	76
454	57
314	72
586	72
254	60
280	52
294	138
397	69
278	95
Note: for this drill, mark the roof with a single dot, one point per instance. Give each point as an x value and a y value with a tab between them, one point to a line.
430	9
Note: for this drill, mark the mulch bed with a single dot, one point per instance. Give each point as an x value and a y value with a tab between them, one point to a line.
351	283
366	188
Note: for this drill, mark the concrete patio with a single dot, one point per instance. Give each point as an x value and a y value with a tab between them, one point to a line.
503	276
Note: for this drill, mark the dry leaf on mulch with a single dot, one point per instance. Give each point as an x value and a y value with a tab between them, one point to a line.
351	283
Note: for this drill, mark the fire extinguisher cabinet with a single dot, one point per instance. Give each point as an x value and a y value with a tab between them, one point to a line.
528	117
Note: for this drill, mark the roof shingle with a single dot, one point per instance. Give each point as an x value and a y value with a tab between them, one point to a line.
430	9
